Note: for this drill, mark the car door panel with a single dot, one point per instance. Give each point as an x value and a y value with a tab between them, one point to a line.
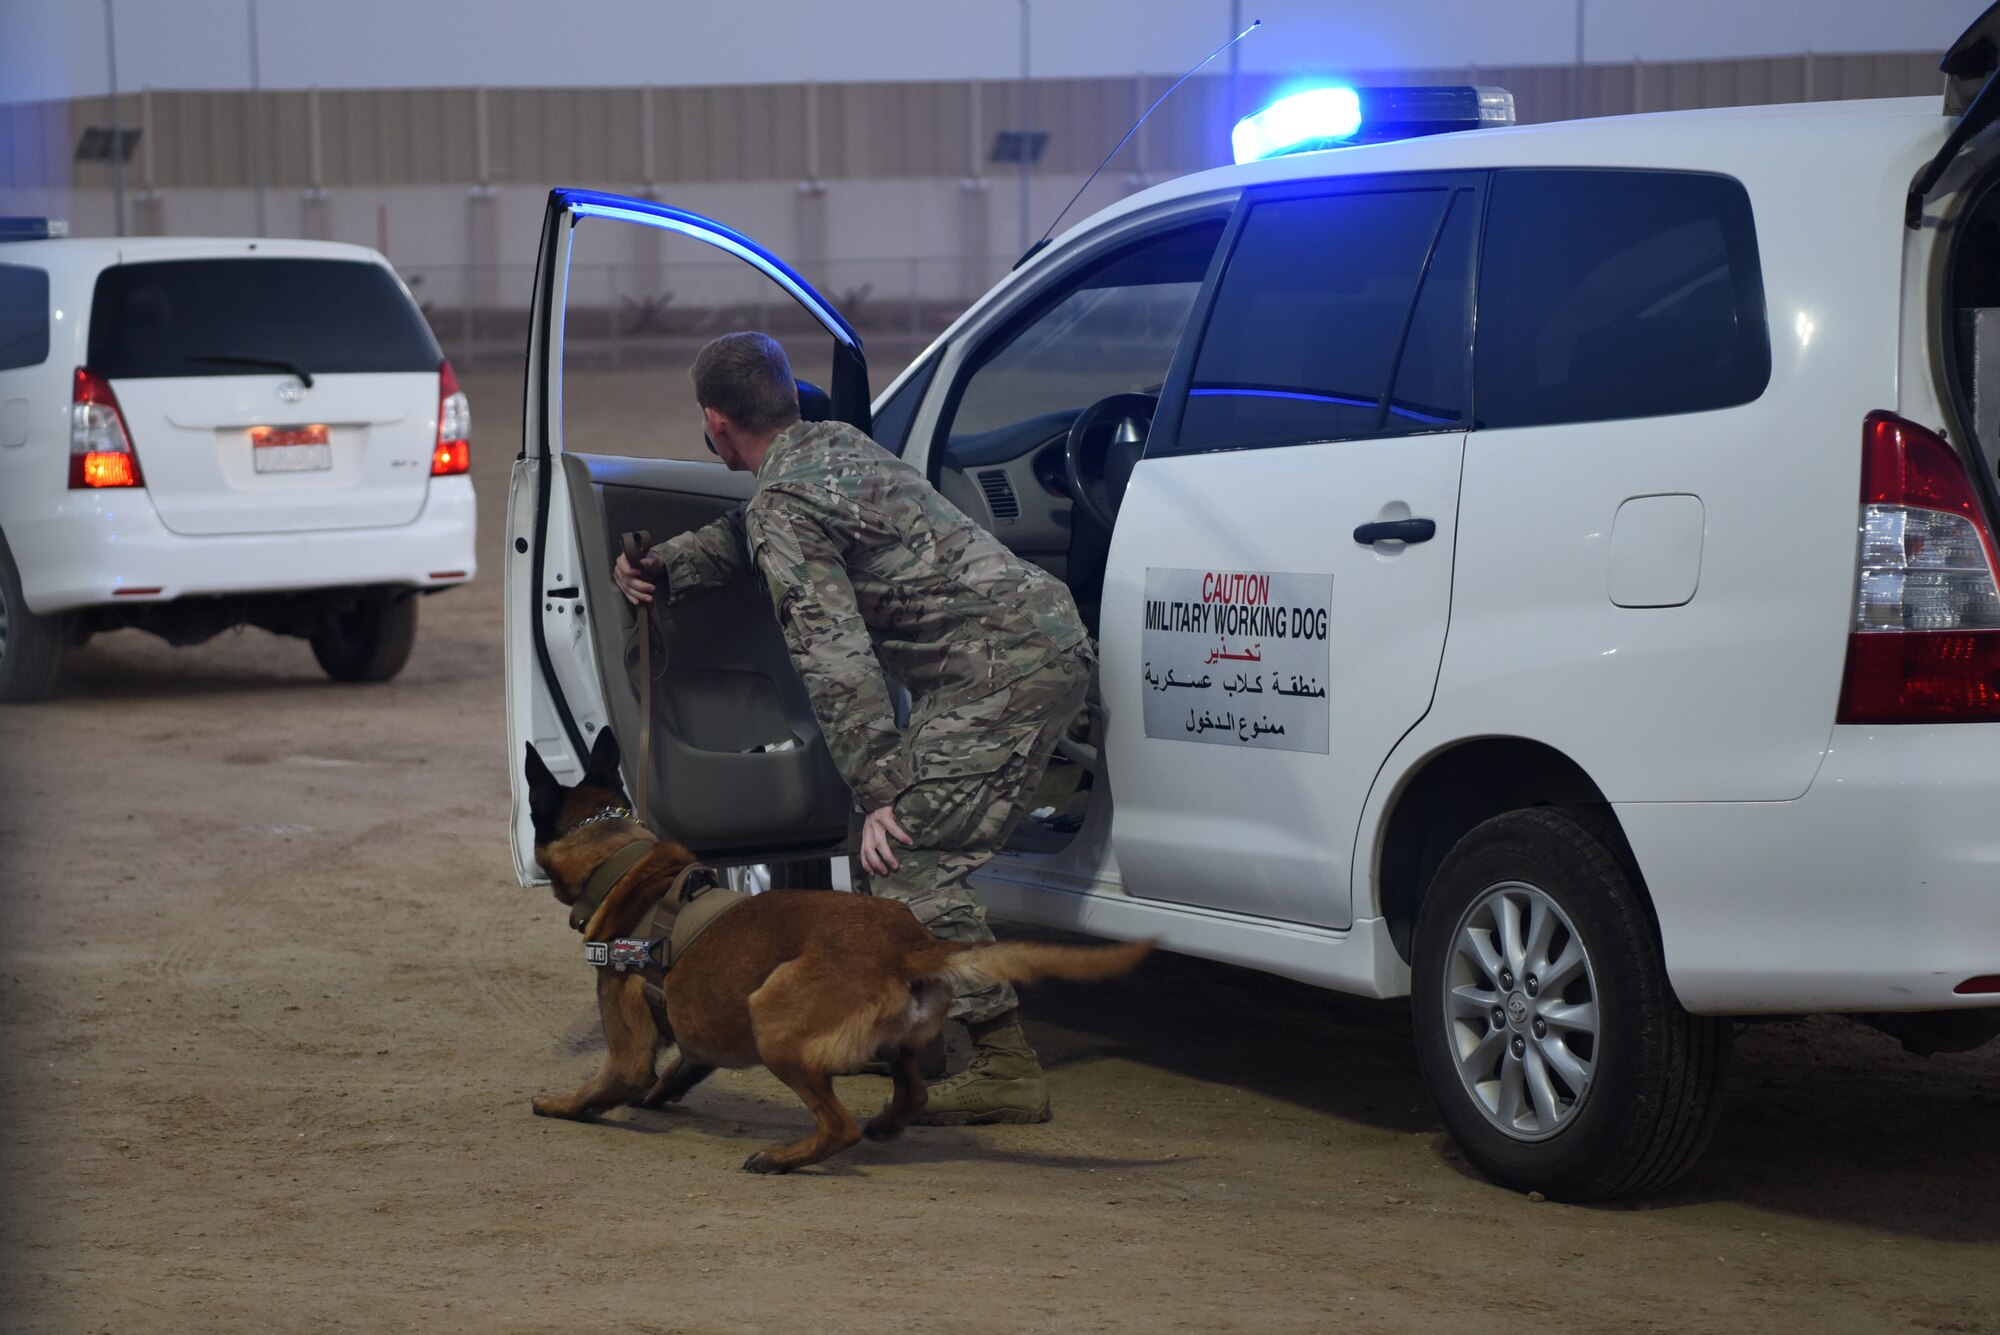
726	693
1327	390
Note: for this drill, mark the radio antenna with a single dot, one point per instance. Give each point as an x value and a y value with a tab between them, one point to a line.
1035	249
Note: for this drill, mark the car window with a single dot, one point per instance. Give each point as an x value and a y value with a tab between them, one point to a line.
1434	372
1310	317
24	316
891	428
1611	294
203	317
1110	330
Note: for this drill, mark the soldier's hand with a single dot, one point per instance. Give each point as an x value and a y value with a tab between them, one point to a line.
635	581
877	854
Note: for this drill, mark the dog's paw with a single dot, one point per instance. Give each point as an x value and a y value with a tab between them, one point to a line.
762	1162
553	1105
882	1128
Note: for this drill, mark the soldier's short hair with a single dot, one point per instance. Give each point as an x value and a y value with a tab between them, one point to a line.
747	378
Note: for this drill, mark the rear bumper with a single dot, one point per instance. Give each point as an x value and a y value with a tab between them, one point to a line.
1878	890
92	545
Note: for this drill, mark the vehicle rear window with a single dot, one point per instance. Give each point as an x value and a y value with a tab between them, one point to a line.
203	317
24	316
1614	294
1309	320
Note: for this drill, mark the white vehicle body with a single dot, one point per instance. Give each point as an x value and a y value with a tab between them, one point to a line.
208	519
1708	724
1646	613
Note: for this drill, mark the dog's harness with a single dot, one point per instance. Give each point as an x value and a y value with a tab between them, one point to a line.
690	907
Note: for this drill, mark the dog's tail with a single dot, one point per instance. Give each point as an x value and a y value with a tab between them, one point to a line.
1027	961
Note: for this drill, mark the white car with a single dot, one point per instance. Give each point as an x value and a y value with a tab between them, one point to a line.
1547	572
197	434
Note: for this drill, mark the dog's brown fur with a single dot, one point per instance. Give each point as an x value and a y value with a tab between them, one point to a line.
807	983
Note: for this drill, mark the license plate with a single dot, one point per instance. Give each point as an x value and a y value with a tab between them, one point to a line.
290	449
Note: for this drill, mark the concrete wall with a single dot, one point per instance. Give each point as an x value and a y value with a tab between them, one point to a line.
881	193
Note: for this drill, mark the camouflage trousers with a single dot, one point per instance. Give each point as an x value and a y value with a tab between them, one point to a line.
976	766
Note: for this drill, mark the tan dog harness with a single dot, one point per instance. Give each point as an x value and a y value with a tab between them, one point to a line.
689	908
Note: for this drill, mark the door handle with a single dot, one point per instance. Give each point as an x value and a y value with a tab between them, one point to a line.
1396	530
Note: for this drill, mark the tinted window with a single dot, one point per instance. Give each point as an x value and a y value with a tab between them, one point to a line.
24	316
1608	294
1434	373
328	316
1309	319
1111	330
892	423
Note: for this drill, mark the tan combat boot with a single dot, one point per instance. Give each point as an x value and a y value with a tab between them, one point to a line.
1003	1083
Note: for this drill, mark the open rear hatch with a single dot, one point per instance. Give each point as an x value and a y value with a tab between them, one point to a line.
1959	192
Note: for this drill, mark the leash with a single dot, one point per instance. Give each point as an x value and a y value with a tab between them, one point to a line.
646	624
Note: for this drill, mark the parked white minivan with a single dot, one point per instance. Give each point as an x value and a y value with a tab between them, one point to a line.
200	433
1547	572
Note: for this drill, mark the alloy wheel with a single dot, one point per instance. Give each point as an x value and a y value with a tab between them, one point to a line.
1520	1000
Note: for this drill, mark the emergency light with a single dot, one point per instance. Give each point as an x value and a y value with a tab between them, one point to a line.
1335	115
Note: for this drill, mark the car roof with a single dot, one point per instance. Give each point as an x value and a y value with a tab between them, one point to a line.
1864	129
104	251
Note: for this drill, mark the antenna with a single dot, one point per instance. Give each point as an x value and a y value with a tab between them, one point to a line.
1035	249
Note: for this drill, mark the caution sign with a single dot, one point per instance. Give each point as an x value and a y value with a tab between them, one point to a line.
1236	658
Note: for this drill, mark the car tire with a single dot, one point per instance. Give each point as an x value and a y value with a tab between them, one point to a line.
31	646
369	641
1546	1027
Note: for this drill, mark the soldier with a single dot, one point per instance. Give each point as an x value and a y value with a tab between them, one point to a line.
869	568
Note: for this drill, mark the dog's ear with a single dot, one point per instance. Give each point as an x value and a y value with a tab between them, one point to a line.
544	794
603	768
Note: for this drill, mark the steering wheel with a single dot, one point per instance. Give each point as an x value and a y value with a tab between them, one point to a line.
1103	448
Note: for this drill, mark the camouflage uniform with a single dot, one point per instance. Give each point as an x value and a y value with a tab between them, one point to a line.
870	570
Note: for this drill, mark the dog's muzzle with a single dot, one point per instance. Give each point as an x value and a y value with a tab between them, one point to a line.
624	954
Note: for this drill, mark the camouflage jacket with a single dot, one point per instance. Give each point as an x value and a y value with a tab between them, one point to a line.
870	569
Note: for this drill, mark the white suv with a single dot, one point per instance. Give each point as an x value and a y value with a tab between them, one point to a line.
1547	572
196	434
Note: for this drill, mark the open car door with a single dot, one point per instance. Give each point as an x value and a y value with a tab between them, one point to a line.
738	769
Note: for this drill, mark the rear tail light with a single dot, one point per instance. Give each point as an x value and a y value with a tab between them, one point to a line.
454	439
1925	647
100	449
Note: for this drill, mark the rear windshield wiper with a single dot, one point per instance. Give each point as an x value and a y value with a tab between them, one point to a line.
236	359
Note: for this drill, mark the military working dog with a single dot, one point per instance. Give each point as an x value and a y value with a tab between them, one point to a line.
809	984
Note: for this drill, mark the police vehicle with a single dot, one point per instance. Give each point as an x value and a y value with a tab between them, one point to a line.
199	433
1545	572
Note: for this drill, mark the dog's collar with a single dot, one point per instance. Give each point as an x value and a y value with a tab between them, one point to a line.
609	873
599	817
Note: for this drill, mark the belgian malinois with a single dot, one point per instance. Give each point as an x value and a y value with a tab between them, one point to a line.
807	983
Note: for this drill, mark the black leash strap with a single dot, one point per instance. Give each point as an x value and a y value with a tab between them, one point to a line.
648	624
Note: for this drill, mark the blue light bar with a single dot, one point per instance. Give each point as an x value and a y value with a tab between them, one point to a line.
32	229
1334	116
1312	118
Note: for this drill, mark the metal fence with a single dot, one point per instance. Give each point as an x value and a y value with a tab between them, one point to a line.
649	314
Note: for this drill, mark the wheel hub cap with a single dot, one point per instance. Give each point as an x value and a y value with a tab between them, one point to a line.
1521	1010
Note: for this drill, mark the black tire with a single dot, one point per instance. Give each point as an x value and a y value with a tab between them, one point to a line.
1652	1075
31	646
370	641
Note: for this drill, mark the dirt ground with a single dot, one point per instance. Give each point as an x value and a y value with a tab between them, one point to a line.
274	1007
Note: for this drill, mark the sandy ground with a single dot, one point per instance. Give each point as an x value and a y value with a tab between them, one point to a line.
274	1007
